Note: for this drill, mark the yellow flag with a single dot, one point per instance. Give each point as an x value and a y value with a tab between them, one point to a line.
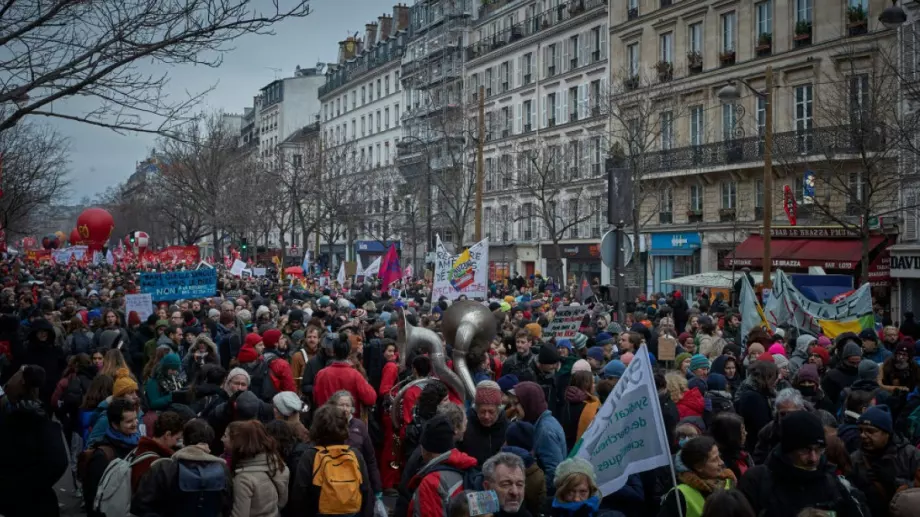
833	328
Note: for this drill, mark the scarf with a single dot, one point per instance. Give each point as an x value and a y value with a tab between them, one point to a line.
593	503
706	486
592	404
123	438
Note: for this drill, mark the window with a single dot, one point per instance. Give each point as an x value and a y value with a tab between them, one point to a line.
764	18
573	160
487	221
527	221
506	121
573	104
526	67
596	44
859	99
386	118
338	107
862	4
595	97
378	87
803	10
363	127
354	129
370	92
505	76
386	84
666	205
696	125
573	52
551	108
632	59
758	195
803	116
729	194
551	57
354	97
695	37
633	4
666	47
527	115
729	121
761	115
696	198
488	81
396	79
667	129
362	95
728	32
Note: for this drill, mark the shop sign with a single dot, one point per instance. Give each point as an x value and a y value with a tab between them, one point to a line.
573	251
813	232
792	263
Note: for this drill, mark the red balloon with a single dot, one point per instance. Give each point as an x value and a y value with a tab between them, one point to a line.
46	243
95	227
75	238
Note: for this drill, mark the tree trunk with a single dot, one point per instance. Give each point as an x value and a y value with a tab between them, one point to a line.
864	269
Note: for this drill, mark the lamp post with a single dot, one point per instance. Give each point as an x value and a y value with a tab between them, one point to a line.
730	93
893	17
405	146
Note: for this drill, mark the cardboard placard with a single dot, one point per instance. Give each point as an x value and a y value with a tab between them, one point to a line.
667	348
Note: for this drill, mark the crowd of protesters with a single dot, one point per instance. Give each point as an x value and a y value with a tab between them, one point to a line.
274	398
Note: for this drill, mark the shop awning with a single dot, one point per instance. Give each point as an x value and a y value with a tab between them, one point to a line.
802	253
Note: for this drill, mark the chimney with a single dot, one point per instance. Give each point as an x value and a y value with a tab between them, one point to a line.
385	22
370	35
348	49
401	16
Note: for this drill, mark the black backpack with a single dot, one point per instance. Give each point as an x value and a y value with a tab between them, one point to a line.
201	486
260	381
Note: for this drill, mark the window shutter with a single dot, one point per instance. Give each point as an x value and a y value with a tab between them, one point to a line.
543	120
546	63
519	81
533	66
911	216
519	126
584	112
603	41
586	158
566	52
562	113
583	55
558	63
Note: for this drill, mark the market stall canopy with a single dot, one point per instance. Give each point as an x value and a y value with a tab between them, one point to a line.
713	279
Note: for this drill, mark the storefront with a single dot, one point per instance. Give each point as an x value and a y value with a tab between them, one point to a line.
338	255
369	250
905	273
673	255
582	258
501	260
795	249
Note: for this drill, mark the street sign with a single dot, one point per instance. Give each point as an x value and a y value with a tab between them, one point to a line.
609	245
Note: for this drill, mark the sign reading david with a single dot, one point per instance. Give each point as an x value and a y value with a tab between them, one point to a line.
627	436
463	274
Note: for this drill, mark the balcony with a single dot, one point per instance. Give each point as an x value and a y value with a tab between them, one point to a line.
727	215
694	62
828	142
727	57
764	44
551	122
857	20
665	217
632	13
802	37
695	216
533	25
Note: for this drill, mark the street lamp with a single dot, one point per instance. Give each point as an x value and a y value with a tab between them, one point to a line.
404	145
730	93
893	17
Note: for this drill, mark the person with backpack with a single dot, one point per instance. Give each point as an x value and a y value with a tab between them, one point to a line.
123	387
191	483
32	455
166	433
250	360
281	376
445	472
342	375
260	477
80	339
106	474
331	477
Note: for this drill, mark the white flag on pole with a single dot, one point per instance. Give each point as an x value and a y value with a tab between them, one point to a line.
627	436
373	268
340	278
359	270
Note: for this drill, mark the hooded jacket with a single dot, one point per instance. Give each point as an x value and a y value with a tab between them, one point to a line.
46	355
800	354
778	489
192	365
146	445
718	366
158	493
438	482
256	491
880	475
576	403
549	438
341	376
755	406
483	442
836	380
692	403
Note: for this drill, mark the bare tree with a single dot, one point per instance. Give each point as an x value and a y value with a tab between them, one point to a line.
35	168
336	196
852	146
95	50
549	194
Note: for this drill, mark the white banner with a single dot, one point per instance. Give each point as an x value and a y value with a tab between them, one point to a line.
258	271
566	322
463	274
359	269
62	256
141	303
627	436
237	268
788	305
373	268
340	277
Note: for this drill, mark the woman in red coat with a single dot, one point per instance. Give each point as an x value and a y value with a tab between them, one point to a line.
389	476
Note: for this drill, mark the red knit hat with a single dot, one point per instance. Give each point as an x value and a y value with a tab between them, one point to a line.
253	339
821	352
766	356
488	393
271	337
247	354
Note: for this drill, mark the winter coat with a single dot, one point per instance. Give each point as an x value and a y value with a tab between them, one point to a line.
718	366
158	493
570	413
836	380
146	445
849	431
755	406
298	366
316	365
412	467
438	482
534	480
136	350
549	446
96	467
880	475
46	355
521	366
711	346
304	496
483	442
341	376
207	398
32	460
720	401
360	440
692	403
779	489
109	341
767	439
671	417
256	491
99	421
79	342
280	368
192	366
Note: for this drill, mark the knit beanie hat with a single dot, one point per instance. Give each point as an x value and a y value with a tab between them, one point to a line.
697	383
247	354
233	373
808	373
799	430
575	466
245	315
716	382
781	361
548	355
262	311
581	366
534	329
271	337
868	335
438	435
287	403
614	370
878	417
699	361
627	358
564	343
596	353
488	393
679	360
532	400
766	357
124	384
821	352
867	370
777	349
520	434
824	341
170	361
579	340
212	313
508	382
603	338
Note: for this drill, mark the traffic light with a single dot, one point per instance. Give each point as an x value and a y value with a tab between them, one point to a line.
243	243
132	239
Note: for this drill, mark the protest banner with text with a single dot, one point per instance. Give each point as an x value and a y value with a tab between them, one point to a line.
177	285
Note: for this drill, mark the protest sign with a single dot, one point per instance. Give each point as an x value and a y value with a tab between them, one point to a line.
394	293
566	322
667	348
237	268
463	274
141	303
176	285
258	271
788	305
627	436
204	264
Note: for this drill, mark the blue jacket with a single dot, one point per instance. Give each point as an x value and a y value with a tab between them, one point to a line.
549	446
101	422
879	356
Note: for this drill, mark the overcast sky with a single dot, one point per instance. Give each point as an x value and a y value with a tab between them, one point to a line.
101	158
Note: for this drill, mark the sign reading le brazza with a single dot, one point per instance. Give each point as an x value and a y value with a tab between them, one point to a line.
810	232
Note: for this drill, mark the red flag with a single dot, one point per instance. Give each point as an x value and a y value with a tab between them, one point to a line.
389	269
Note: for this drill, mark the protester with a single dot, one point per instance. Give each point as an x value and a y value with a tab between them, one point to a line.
485	432
519	441
549	437
121	437
441	478
260	477
700	473
504	473
167	431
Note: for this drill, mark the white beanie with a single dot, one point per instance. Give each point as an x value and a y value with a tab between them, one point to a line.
574	466
262	310
233	373
581	366
287	403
